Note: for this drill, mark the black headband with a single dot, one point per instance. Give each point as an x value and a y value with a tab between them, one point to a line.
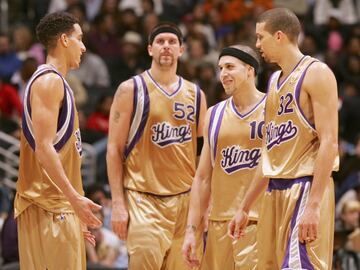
165	29
241	55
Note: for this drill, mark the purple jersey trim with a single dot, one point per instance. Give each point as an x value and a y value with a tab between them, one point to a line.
278	84
242	116
145	115
297	94
217	128
63	112
198	104
162	89
282	184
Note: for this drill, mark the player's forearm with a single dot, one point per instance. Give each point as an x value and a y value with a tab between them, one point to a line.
50	162
199	201
115	174
257	187
323	167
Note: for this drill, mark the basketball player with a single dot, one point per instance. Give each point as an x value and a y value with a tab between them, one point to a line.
230	155
49	200
299	153
155	120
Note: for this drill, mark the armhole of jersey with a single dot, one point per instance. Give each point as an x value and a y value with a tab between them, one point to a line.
140	113
65	123
297	96
271	80
198	104
216	116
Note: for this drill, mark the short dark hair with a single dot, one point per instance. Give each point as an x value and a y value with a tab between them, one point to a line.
281	19
52	26
165	27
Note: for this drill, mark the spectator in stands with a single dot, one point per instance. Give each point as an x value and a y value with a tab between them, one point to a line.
25	46
343	10
349	218
101	193
350	117
103	39
21	77
10	104
130	62
93	71
109	250
343	258
9	62
99	119
9	238
207	80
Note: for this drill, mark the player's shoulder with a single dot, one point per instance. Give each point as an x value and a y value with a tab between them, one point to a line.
126	87
49	83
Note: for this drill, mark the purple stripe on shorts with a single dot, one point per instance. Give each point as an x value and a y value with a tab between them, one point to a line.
304	258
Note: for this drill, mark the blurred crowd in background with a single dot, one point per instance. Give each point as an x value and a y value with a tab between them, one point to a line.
115	35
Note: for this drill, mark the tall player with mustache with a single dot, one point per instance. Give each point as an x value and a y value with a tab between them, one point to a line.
155	121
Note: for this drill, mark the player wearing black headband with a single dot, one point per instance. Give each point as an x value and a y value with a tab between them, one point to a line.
155	120
229	158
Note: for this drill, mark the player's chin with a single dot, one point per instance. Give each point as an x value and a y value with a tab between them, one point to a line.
228	90
75	65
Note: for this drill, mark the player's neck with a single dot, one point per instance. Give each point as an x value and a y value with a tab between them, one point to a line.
165	77
58	64
245	99
289	59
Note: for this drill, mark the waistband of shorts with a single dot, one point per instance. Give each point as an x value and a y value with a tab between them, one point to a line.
283	183
159	195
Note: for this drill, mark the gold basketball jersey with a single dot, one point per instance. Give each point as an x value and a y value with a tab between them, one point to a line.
291	141
34	186
161	147
235	143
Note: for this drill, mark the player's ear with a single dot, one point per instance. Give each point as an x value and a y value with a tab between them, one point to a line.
149	48
64	39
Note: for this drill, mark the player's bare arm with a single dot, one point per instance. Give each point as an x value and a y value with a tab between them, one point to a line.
203	108
120	117
46	98
322	91
199	199
257	187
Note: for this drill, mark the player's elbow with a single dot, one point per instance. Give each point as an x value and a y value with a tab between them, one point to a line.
114	152
330	143
42	150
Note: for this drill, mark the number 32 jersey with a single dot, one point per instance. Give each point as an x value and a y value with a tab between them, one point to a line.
291	140
160	155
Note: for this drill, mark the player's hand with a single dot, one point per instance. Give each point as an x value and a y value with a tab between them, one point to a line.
84	208
308	225
189	249
88	236
237	225
119	220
